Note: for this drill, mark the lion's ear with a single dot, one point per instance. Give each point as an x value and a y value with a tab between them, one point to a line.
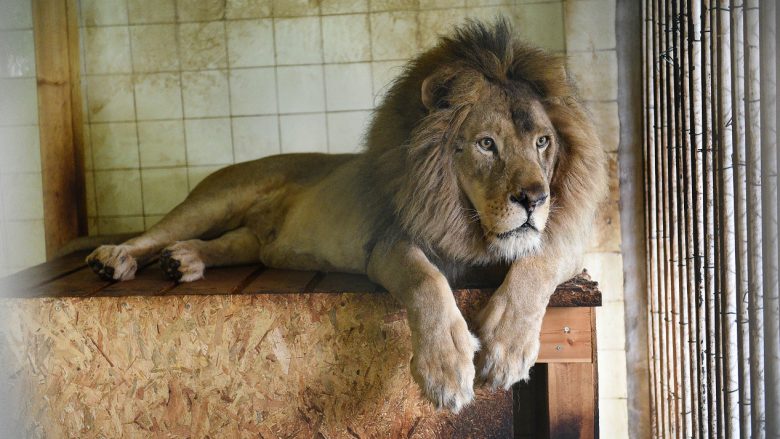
436	88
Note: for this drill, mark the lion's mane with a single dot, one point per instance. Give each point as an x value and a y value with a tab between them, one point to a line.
411	161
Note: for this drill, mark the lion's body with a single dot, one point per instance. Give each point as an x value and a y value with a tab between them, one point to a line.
481	154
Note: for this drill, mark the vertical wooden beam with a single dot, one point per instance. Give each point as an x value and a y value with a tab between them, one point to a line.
55	28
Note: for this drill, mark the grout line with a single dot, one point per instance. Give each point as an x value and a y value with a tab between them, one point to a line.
276	85
230	98
181	98
135	122
324	82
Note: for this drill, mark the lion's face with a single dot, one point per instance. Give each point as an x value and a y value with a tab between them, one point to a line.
504	158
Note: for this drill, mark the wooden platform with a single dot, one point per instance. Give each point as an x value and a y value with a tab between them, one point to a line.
257	352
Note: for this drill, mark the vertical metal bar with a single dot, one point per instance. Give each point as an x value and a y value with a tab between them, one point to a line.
769	203
740	212
726	224
754	226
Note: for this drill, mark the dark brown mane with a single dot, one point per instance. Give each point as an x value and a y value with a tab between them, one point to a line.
411	165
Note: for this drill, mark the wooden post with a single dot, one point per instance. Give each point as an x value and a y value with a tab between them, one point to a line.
55	28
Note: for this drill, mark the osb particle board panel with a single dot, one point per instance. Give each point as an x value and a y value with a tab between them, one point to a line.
302	365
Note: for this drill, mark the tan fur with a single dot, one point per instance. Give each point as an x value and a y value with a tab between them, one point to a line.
425	203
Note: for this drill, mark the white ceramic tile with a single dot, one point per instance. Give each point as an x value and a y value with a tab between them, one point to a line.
595	74
348	86
26	240
393	35
19	105
16	14
151	11
87	133
163	188
249	8
158	96
612	374
103	12
298	40
607	270
205	94
441	4
250	43
437	23
611	326
393	5
209	141
384	72
118	192
117	225
301	89
22	196
343	6
486	2
114	145
303	133
346	130
161	143
202	45
613	418
154	48
346	38
197	174
255	137
110	98
253	91
17	54
89	192
488	13
541	24
150	220
590	25
20	149
605	116
200	10
107	49
295	8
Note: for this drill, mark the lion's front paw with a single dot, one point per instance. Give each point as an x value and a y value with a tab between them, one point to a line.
443	364
182	262
510	345
112	262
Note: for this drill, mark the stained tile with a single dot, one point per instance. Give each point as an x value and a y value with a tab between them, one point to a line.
607	270
196	174
114	145
163	188
118	193
298	40
303	133
22	196
438	23
250	43
607	121
588	30
346	38
19	105
161	143
393	5
16	14
205	94
107	50
442	4
343	6
110	98
390	35
89	193
255	137
151	11
158	96
295	8
595	74
103	12
154	48
541	24
252	91
200	10
202	45
26	240
384	72
301	89
348	86
209	142
20	149
346	130
249	8
17	54
122	224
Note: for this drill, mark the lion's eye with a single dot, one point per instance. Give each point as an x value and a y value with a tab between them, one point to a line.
542	142
487	143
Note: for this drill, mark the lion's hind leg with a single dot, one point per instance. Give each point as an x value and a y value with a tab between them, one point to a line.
186	261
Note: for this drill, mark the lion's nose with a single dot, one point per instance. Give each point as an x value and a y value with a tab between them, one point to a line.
530	198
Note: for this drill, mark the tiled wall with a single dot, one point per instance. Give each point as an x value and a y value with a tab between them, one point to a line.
177	89
21	199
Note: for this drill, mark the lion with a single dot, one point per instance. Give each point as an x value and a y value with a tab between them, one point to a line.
481	155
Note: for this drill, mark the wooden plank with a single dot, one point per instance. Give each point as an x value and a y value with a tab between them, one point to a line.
223	280
22	283
572	401
56	58
80	283
280	281
345	283
149	281
566	335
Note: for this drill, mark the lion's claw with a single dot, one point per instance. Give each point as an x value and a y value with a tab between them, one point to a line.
181	262
112	262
